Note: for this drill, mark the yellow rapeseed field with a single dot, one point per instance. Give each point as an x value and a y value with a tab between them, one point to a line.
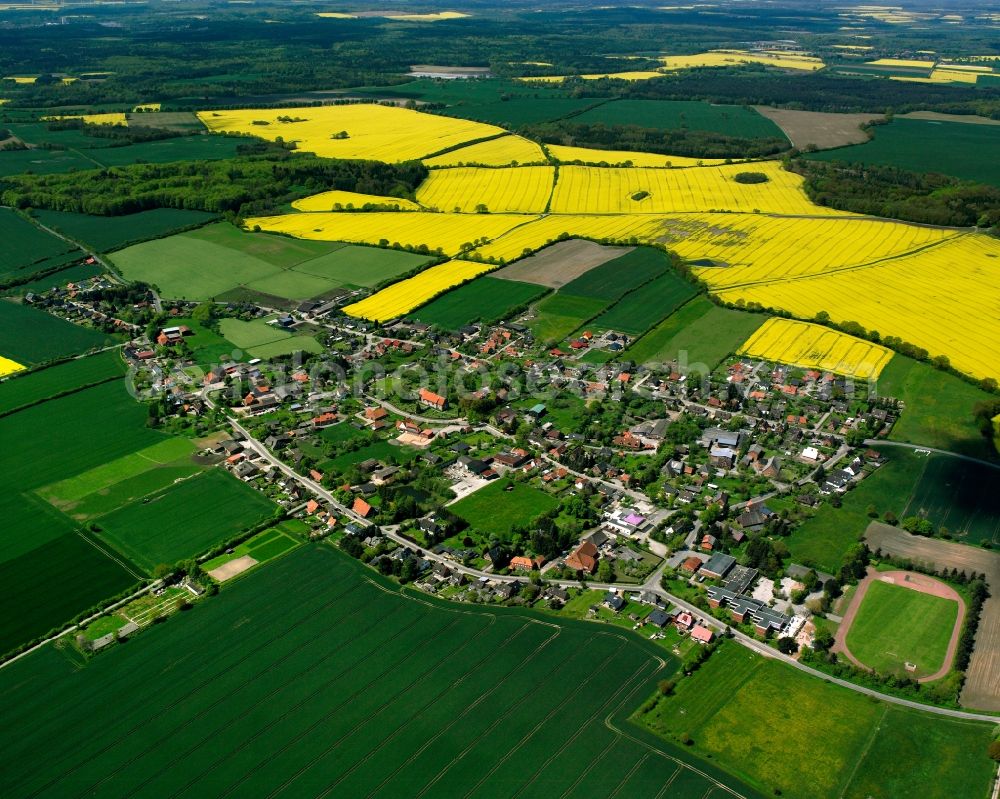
535	235
8	367
816	347
523	190
944	299
585	189
900	62
379	132
447	232
503	151
728	58
97	119
403	297
586	155
349	200
636	75
147	108
22	80
752	248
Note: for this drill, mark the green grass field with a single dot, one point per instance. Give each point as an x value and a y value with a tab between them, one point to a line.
26	247
311	677
614	279
742	710
185	519
486	299
971	152
68	376
30	336
265	341
218	259
495	511
42	162
105	233
559	314
732	120
939	408
637	312
379	450
897	625
698	333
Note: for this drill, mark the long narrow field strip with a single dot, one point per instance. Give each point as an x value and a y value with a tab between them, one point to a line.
638	311
503	151
943	300
60	379
351	200
642	190
401	298
816	347
379	132
304	695
586	155
521	190
447	232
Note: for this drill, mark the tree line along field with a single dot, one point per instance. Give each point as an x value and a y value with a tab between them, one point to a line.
217	260
304	694
742	710
967	151
64	377
30	336
486	299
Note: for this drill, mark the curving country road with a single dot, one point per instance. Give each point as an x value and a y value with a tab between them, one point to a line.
652	584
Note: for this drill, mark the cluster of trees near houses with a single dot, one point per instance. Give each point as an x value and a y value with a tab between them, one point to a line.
264	178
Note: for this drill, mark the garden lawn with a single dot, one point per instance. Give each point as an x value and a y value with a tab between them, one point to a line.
698	334
379	450
266	341
495	511
896	625
185	519
486	299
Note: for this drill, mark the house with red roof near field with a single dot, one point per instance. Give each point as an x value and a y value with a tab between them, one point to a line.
362	508
702	635
312	506
432	400
583	558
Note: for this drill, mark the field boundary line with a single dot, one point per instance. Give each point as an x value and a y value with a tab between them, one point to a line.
590	767
182	698
323	686
496	722
513	636
668	783
633	770
108	555
864	751
465	712
333	652
580	728
386	704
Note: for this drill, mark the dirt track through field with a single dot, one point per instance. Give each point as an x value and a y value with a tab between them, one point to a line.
564	261
982	681
916	582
